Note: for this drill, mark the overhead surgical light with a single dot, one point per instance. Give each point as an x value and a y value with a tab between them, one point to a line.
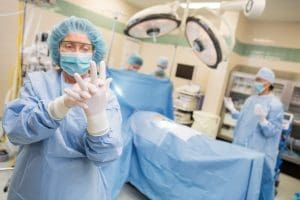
198	5
211	42
153	22
204	40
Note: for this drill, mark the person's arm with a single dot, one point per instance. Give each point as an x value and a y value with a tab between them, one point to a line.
26	119
102	142
272	124
106	146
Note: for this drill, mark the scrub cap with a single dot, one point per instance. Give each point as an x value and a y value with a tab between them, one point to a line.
163	62
266	74
135	59
71	25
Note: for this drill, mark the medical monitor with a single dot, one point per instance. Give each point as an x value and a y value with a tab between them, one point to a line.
184	71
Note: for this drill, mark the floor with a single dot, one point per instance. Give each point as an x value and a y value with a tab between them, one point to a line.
287	187
286	190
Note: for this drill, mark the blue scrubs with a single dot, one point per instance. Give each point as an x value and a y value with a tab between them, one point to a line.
262	138
57	159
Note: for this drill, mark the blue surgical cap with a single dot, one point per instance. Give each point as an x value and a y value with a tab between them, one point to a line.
266	74
76	25
135	59
163	62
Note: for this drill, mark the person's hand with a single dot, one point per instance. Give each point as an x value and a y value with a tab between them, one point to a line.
98	88
74	96
261	113
229	104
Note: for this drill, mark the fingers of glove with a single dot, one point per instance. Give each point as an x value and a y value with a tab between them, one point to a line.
78	94
228	104
80	81
102	72
75	98
92	89
72	94
84	94
82	104
107	83
100	82
228	100
93	72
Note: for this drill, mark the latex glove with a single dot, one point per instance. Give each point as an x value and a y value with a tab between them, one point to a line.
261	113
229	104
58	108
97	122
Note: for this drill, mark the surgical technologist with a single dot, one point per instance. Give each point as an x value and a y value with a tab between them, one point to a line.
66	122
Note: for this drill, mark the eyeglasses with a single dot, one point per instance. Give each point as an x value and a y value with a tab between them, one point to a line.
72	46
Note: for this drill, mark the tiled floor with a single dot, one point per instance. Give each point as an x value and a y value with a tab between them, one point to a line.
287	187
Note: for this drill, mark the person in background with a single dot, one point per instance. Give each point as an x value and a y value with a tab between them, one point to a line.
162	64
66	122
259	126
135	62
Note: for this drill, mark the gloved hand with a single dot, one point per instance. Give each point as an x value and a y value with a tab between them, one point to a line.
261	113
58	108
97	122
229	104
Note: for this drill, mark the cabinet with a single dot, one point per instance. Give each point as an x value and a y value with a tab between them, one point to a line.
291	154
294	104
240	88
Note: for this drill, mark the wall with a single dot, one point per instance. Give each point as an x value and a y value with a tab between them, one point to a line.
8	50
268	33
151	52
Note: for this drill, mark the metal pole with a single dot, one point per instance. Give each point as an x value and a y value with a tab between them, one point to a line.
112	39
173	60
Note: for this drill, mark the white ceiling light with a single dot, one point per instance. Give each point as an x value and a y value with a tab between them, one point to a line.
153	22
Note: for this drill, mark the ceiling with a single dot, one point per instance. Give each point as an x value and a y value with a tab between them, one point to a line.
275	10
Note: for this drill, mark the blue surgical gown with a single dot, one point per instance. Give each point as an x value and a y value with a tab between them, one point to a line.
57	159
262	138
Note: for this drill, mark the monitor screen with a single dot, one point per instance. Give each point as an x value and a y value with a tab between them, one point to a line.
286	117
184	71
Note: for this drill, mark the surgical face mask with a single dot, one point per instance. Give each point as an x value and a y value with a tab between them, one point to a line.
259	87
73	63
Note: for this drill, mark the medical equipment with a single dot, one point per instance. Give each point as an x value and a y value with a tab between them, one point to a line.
187	97
185	71
183	117
287	120
36	57
212	44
